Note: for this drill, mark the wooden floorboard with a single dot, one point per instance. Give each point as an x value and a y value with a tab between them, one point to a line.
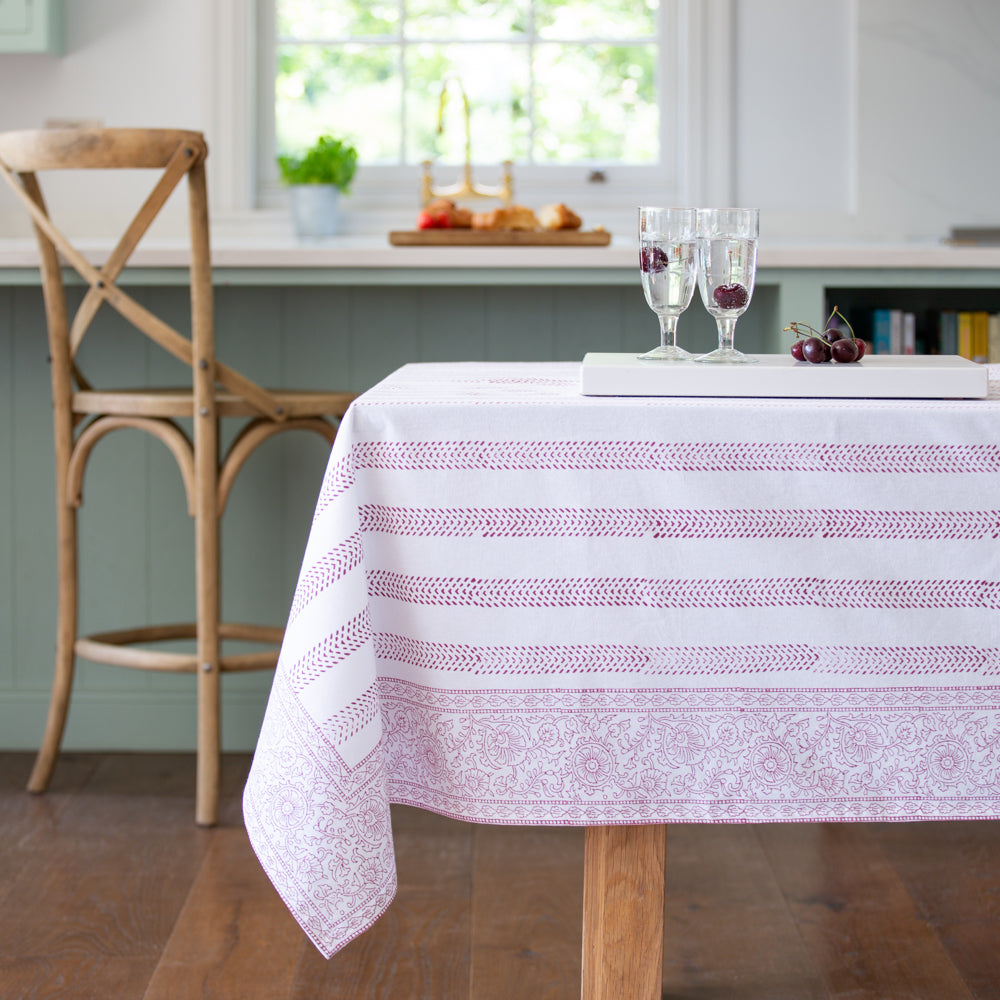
108	890
527	906
856	916
234	937
727	929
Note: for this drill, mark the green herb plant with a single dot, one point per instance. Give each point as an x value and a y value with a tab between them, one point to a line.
327	161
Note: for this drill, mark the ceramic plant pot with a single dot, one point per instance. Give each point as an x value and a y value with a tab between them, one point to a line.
315	210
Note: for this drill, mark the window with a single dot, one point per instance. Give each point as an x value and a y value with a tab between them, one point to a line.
597	102
546	81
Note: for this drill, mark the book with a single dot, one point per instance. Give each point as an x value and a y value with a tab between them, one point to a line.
909	333
965	334
948	331
881	331
980	336
895	331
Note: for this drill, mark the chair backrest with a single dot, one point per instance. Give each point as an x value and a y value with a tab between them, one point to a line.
175	154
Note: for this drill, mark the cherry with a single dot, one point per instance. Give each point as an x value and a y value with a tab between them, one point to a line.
653	259
844	350
815	350
733	296
425	220
797	350
832	334
862	347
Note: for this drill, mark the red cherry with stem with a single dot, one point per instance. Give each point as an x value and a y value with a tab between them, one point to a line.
815	350
844	350
796	350
862	347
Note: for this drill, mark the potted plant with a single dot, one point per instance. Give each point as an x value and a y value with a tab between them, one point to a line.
315	180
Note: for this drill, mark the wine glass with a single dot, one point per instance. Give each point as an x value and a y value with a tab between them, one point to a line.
668	263
727	269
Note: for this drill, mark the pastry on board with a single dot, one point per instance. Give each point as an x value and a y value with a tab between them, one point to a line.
444	208
558	217
513	217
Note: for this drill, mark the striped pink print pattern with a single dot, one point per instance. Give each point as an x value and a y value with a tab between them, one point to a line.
680	593
524	522
657	456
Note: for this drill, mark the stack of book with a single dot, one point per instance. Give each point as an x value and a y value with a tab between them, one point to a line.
973	335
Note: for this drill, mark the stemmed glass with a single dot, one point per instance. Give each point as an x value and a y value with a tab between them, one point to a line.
727	268
668	263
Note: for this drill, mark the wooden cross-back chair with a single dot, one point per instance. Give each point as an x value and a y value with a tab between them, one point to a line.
84	414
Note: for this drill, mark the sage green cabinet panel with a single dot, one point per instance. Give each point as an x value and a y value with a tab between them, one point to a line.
31	26
137	540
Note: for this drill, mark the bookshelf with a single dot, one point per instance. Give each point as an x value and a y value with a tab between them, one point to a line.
942	320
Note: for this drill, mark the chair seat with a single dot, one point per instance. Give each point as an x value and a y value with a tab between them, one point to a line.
180	403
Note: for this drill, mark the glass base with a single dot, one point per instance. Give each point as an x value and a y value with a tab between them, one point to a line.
665	353
726	356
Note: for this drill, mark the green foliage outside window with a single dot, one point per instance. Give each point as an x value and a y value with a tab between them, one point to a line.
548	82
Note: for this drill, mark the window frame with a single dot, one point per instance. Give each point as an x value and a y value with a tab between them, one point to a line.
695	128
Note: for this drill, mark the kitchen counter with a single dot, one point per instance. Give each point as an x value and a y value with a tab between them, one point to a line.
344	313
354	254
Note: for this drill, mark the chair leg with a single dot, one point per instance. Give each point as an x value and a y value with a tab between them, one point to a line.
208	767
66	628
208	612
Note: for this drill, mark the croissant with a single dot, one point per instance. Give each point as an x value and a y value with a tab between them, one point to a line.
506	219
558	217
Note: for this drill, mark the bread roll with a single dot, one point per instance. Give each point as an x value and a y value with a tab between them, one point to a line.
558	217
514	217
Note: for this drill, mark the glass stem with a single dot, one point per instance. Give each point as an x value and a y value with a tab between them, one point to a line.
668	329
727	329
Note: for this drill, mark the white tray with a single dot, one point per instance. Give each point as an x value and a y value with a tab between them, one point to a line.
935	376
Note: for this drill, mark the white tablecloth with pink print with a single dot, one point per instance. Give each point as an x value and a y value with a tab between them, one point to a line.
522	605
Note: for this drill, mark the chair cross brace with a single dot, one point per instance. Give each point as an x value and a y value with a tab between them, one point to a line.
102	280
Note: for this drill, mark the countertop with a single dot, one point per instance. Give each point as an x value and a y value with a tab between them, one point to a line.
374	252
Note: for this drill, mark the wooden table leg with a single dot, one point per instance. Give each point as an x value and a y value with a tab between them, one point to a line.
623	882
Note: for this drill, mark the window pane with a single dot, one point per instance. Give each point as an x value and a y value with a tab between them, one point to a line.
495	78
336	18
462	19
596	102
347	91
596	18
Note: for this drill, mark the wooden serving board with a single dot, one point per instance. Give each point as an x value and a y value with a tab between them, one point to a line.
497	238
882	376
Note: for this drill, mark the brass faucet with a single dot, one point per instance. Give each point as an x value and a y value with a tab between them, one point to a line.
465	188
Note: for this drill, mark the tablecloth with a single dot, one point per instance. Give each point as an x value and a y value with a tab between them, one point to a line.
522	605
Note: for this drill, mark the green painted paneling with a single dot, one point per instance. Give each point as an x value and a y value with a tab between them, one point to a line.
32	487
451	324
8	571
520	324
296	329
382	326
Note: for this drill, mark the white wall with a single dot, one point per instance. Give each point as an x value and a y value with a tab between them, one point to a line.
852	118
126	63
868	118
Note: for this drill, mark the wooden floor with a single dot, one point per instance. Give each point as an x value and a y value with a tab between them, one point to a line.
108	890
